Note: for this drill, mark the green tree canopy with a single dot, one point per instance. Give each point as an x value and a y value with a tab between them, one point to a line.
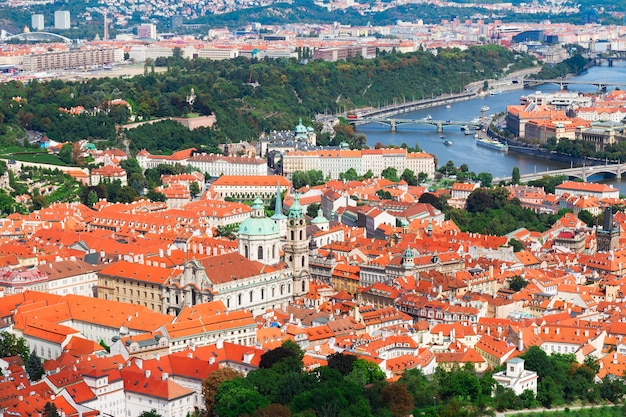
11	345
34	367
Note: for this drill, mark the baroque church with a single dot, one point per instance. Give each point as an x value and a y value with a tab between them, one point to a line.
255	278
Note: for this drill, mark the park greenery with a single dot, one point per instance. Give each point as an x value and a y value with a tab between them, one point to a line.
350	385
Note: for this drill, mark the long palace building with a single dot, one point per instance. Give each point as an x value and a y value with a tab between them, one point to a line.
334	162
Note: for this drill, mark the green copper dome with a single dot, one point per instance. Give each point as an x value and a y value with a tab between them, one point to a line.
320	218
300	131
258	224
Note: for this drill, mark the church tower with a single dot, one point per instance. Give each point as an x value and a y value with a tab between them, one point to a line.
408	261
607	238
296	248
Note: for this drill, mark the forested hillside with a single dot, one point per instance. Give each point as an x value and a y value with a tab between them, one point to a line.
247	96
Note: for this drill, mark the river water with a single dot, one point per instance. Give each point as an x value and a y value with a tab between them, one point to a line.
464	149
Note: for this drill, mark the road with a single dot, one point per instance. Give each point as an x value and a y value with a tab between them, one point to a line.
541	410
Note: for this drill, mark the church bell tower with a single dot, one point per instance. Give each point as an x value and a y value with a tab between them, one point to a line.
296	248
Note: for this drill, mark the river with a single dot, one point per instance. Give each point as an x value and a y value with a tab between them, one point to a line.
464	149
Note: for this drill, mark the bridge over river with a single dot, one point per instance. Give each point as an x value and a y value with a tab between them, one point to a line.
564	83
394	123
613	170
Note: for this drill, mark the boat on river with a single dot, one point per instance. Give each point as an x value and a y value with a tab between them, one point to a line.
447	142
495	92
491	144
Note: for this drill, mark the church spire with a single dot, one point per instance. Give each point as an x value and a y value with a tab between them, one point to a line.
295	211
278	206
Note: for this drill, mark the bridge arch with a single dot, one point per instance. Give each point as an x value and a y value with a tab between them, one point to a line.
40	37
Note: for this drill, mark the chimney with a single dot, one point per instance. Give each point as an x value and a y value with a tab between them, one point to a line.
164	376
148	373
211	360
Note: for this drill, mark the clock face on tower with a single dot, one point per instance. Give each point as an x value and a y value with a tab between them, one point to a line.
292	222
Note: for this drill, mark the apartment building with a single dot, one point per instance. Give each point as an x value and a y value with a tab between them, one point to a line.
75	58
334	162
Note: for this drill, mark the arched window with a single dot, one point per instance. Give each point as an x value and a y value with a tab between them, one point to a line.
228	303
260	252
273	292
238	299
282	289
303	261
301	234
247	255
289	288
262	293
303	285
293	236
273	251
251	295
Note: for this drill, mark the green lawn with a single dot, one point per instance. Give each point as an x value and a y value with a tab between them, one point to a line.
38	157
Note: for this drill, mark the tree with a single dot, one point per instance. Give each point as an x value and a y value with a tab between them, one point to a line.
421	177
587	217
151	413
341	362
126	194
131	166
479	201
92	198
299	179
39	201
211	383
156	196
409	177
235	398
287	358
485	179
517	283
390	173
516	244
11	345
398	399
65	153
312	209
432	199
515	176
449	168
365	372
273	410
384	194
34	367
138	182
349	175
50	410
194	189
